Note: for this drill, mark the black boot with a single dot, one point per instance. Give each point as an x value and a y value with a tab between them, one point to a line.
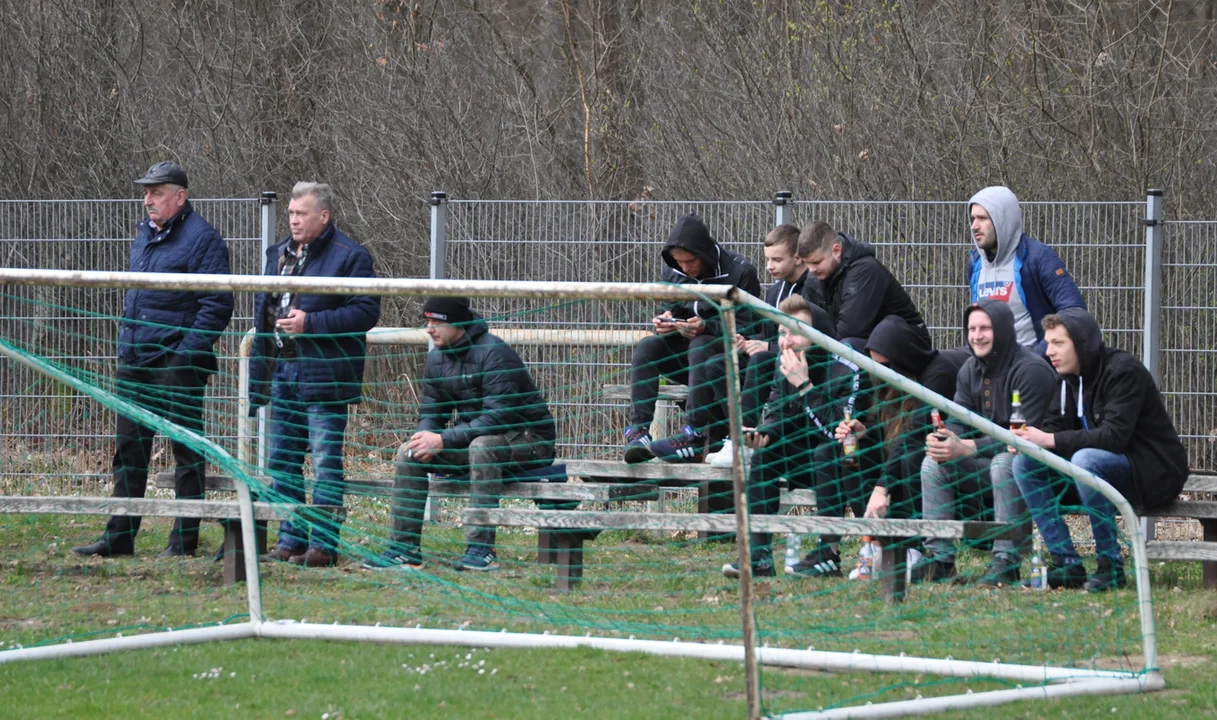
1070	577
103	548
1107	576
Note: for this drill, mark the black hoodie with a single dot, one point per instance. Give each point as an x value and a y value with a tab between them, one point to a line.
910	351
836	385
1113	404
482	380
986	386
720	267
861	292
777	292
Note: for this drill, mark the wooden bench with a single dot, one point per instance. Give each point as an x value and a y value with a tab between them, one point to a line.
228	512
572	528
1204	511
713	483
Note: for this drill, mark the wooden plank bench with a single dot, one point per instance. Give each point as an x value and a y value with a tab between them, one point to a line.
572	528
1203	511
713	483
227	512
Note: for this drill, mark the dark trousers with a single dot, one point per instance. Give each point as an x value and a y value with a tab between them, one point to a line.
691	362
758	381
176	394
485	463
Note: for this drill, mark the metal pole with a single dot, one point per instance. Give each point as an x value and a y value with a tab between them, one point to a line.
781	209
1153	281
752	680
269	238
249	538
439	232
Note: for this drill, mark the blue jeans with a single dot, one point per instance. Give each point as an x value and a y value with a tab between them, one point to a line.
298	427
1041	488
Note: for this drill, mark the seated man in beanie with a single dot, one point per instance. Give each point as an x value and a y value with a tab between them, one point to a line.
502	425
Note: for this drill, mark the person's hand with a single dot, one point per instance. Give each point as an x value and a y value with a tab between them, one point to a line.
752	347
691	328
755	440
1035	436
794	367
664	323
845	428
293	324
424	445
876	507
943	446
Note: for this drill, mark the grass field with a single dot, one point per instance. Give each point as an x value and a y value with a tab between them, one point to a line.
635	585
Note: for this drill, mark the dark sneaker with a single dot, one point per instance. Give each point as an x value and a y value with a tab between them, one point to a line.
1107	576
932	569
174	551
1060	575
638	445
394	560
478	557
821	562
1003	571
762	566
686	446
102	548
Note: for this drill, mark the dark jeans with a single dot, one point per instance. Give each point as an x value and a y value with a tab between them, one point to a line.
485	463
176	394
839	487
298	427
758	381
1041	488
691	362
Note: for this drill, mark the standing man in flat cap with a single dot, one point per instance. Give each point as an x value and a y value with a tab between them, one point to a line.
307	362
166	354
502	425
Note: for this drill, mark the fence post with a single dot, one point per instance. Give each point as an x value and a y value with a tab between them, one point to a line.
1153	281
269	218
781	213
439	231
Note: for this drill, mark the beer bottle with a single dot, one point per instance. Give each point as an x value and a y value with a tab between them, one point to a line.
1017	421
849	446
939	426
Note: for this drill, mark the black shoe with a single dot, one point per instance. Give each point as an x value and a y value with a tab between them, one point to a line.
394	560
102	548
1107	576
637	445
478	558
823	561
932	569
219	556
686	446
174	551
762	566
1003	571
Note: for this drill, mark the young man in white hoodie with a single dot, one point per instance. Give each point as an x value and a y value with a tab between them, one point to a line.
1010	266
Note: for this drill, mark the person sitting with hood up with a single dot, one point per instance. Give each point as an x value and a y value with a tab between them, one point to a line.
1107	419
904	420
858	290
687	347
809	396
964	463
1009	266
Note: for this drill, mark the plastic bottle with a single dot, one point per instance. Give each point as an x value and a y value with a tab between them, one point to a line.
866	560
794	546
1039	571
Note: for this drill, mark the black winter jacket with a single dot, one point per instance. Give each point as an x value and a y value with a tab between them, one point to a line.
483	381
332	349
722	267
767	330
184	323
911	353
986	387
861	292
1114	405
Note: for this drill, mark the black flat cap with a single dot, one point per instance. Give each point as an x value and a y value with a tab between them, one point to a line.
162	173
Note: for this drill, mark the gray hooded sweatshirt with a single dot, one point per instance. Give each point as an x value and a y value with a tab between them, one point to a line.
999	275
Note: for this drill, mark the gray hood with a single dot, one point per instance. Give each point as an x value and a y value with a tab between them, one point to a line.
1007	221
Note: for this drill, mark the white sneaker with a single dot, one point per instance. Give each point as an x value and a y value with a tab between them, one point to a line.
725	457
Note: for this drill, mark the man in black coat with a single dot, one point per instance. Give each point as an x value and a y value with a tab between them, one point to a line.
687	347
502	425
308	363
166	354
963	463
858	290
1109	419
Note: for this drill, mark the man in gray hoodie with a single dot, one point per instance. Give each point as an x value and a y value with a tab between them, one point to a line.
963	463
1009	266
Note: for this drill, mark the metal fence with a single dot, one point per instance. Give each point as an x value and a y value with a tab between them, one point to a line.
925	244
46	429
